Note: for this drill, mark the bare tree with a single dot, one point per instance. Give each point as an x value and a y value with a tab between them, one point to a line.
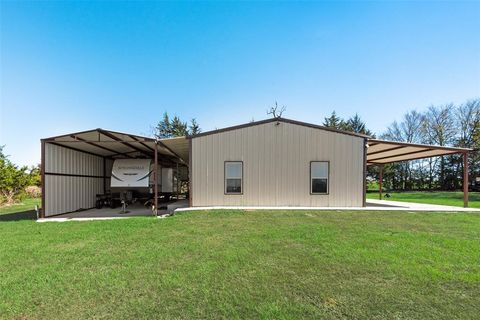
468	124
409	130
439	128
276	111
456	125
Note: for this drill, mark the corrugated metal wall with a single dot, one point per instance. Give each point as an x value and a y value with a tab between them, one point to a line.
70	193
277	166
108	173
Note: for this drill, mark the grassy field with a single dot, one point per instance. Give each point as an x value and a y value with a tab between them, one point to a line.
442	198
26	205
244	264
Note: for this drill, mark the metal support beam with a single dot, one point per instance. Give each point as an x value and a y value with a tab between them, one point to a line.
190	176
365	150
465	179
155	180
104	175
178	189
42	174
111	136
380	183
114	152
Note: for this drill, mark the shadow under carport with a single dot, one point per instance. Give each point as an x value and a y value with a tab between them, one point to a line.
17	216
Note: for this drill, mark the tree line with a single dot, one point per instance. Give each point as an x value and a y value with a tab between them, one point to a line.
443	125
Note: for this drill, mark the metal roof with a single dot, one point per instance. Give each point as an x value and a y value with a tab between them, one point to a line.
285	120
179	145
111	144
383	151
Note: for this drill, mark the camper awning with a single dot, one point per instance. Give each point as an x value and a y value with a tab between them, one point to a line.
383	152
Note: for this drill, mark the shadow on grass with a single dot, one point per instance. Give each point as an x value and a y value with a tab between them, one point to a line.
16	216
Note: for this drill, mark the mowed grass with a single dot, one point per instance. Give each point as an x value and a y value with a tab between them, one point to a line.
25	205
436	197
244	264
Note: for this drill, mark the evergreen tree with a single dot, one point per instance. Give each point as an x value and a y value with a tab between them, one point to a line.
333	121
179	128
356	124
163	128
175	127
194	128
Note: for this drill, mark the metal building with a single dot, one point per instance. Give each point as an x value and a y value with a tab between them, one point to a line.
280	163
274	162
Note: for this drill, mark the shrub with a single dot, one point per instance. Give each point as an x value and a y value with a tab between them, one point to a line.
13	180
33	191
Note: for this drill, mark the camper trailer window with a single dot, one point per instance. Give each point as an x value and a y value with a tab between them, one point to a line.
319	172
233	177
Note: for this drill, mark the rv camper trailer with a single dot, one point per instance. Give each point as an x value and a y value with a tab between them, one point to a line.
132	182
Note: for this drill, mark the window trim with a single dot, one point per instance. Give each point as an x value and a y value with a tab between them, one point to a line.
328	178
225	179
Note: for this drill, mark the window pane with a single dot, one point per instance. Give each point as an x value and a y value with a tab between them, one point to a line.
319	185
234	185
233	170
319	169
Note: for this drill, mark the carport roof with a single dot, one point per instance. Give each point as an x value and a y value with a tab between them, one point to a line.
383	151
112	144
180	145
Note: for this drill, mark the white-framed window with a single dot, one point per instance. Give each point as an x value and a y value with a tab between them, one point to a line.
319	177
233	177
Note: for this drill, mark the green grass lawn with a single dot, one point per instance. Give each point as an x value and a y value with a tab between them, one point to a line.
25	205
244	264
442	198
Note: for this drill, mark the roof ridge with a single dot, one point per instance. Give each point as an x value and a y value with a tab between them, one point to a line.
280	119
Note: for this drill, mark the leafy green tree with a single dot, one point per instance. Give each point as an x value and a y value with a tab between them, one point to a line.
34	176
13	180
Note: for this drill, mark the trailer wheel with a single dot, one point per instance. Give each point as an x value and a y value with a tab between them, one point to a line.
99	204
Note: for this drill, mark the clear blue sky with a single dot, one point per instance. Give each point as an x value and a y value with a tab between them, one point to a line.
71	66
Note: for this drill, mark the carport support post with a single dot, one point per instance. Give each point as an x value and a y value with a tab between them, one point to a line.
155	180
465	179
42	177
380	182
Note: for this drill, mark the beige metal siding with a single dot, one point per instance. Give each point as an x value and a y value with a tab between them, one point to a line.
276	166
69	193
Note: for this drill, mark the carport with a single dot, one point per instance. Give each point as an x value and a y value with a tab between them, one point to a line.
76	167
381	152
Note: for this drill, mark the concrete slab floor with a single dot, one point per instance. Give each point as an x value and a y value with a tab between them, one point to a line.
106	213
